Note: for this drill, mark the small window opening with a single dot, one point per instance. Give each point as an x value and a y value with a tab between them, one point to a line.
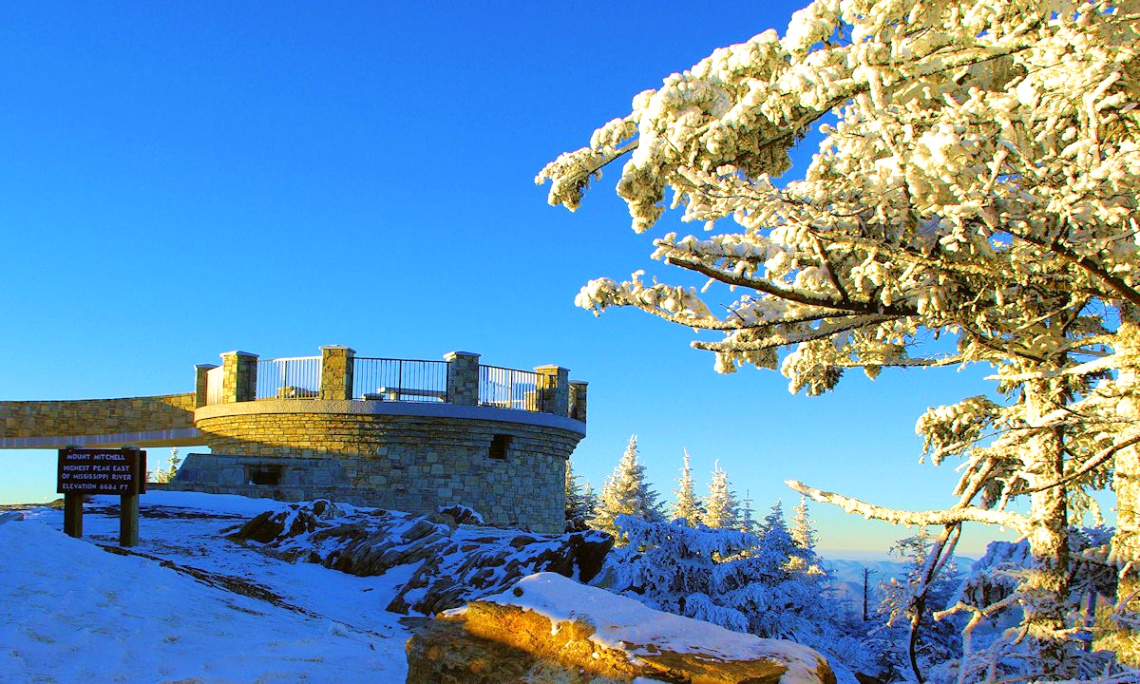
265	475
499	446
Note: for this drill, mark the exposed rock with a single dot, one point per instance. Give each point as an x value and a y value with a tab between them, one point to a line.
457	563
464	515
454	576
551	629
289	522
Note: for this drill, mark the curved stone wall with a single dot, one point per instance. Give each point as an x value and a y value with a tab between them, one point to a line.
508	465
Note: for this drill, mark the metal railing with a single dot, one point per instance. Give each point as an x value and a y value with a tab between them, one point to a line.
214	379
509	388
293	378
399	380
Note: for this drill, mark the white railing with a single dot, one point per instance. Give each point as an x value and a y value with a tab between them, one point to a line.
214	385
509	388
293	378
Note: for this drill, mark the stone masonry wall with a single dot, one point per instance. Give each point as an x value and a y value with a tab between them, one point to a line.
409	463
96	416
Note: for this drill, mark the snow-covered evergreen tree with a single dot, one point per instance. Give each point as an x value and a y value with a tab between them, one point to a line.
747	519
803	534
722	511
577	506
730	578
589	501
626	492
805	560
911	642
777	547
977	182
687	506
991	597
167	474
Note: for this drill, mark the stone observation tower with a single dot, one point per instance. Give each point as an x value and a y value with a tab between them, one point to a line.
409	435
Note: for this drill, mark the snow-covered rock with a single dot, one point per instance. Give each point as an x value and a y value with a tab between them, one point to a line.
454	563
552	629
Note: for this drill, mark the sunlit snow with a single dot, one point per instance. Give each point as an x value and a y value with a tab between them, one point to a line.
73	611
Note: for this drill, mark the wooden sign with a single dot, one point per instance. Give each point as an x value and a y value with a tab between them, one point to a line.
101	471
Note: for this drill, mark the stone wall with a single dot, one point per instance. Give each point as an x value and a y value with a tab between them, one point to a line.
402	462
25	419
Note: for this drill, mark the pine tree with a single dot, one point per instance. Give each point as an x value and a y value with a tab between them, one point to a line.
982	188
577	512
804	560
722	511
687	505
777	547
171	470
589	501
747	520
802	531
626	492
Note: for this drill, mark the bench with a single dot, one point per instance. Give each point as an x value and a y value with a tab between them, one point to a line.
395	393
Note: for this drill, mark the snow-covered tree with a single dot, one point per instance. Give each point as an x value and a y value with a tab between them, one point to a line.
990	598
626	492
577	505
978	183
747	519
589	500
803	533
722	510
687	506
776	543
730	578
912	640
167	474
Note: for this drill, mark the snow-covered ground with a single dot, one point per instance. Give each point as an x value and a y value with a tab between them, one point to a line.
185	605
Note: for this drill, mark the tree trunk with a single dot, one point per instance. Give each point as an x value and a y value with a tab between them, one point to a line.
1047	587
1126	482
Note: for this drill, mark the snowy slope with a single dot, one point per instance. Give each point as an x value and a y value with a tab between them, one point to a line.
213	611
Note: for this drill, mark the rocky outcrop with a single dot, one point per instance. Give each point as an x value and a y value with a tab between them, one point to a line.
551	629
457	563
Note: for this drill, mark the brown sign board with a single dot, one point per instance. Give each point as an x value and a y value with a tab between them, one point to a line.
101	471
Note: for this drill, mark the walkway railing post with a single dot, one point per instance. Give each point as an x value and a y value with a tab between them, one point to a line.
337	364
201	384
578	400
555	388
462	378
239	379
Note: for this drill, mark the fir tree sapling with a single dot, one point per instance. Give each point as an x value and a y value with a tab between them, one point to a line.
687	506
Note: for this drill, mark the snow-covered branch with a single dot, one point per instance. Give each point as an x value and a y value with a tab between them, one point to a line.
949	516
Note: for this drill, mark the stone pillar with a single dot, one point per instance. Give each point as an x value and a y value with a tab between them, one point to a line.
336	372
578	400
554	385
462	378
239	377
200	380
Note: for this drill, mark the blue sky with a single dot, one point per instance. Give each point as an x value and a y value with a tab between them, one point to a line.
183	179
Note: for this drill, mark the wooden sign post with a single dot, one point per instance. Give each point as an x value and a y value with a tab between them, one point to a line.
102	471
